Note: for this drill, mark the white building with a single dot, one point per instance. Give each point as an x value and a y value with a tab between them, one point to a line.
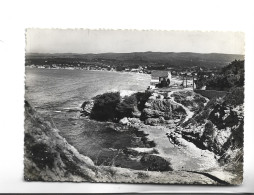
159	77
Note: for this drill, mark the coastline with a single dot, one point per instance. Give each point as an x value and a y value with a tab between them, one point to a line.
121	72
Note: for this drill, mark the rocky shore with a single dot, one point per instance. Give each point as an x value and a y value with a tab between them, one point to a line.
209	131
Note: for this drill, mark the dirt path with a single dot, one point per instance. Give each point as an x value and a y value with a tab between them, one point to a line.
188	112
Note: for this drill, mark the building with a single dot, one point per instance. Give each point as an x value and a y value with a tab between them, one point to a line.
139	69
160	78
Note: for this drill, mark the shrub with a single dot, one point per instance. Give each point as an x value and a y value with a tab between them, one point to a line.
126	107
209	132
231	76
235	96
104	108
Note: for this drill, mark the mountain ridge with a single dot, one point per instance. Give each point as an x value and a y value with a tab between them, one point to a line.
187	59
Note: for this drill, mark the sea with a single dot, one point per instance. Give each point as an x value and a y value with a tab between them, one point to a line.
57	94
59	89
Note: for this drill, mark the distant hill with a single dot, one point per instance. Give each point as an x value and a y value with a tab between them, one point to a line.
185	59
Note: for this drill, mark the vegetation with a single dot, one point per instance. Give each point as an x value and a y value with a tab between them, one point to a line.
235	97
126	107
104	108
121	61
231	76
193	101
111	107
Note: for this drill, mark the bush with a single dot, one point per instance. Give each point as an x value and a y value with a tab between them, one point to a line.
235	96
126	107
155	163
104	108
209	132
231	76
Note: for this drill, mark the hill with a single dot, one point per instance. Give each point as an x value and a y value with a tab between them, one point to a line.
153	59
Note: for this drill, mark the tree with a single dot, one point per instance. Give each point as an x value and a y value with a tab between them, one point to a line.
230	77
126	107
104	108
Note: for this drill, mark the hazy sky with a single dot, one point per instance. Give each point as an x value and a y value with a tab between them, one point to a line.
125	41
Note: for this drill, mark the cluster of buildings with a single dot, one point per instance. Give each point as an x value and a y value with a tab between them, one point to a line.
162	79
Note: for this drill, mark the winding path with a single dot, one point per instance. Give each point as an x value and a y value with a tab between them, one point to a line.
188	112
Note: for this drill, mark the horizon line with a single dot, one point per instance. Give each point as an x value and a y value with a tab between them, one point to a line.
129	52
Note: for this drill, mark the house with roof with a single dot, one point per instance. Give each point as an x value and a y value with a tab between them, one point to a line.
160	78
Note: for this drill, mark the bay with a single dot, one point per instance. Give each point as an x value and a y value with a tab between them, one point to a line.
53	89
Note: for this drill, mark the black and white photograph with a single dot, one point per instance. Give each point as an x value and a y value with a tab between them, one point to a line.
133	106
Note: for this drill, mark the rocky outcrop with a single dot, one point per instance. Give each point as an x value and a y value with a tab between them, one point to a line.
152	121
150	113
163	105
217	127
159	111
134	122
155	110
124	121
155	121
87	107
193	101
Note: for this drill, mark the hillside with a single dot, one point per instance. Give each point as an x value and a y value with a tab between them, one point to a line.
168	59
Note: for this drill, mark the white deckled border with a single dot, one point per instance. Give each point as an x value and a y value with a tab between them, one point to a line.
17	15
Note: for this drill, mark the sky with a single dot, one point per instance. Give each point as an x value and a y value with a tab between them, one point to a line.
126	41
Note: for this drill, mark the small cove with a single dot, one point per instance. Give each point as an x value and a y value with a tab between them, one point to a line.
104	142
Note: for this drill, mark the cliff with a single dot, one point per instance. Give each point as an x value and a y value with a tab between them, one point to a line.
218	127
48	156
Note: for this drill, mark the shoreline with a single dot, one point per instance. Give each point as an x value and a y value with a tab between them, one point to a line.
121	72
